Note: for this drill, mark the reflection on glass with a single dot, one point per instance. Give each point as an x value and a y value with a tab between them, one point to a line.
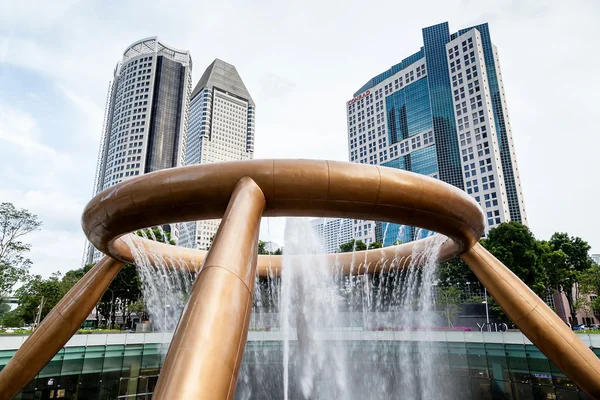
539	367
462	370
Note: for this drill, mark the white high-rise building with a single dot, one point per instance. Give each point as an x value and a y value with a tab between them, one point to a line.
332	232
442	112
146	118
221	129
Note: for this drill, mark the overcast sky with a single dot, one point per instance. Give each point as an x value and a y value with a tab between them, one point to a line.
301	61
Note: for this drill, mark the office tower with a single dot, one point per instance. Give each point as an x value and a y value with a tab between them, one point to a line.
442	112
146	118
221	129
332	232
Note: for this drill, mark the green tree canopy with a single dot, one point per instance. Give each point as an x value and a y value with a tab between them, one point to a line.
448	299
516	247
567	266
4	308
124	291
13	319
591	279
352	245
157	234
14	224
262	249
73	276
456	272
29	296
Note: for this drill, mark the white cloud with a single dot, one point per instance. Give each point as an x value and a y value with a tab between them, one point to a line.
55	209
92	112
59	244
300	79
36	16
20	129
55	250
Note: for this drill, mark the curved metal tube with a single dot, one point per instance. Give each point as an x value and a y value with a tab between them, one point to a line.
536	320
57	327
207	349
287	188
356	263
291	188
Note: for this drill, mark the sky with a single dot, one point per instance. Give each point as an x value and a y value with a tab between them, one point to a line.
301	62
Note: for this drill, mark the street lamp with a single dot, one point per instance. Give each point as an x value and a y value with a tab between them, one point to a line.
487	315
111	306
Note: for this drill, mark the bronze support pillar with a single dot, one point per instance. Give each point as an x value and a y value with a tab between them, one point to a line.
57	327
207	348
537	321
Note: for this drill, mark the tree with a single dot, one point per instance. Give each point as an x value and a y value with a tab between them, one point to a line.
126	288
14	224
448	299
13	319
138	307
29	296
375	245
73	276
262	247
4	308
157	234
352	245
516	247
456	272
574	261
555	264
589	283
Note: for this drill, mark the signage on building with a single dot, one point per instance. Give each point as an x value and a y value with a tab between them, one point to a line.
359	97
495	327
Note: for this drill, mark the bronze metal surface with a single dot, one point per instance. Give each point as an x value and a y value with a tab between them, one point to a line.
291	187
57	328
357	263
206	351
536	320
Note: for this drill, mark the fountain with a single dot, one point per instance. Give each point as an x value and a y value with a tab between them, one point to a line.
205	354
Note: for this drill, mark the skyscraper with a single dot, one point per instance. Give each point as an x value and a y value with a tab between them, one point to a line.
442	112
332	232
146	118
221	129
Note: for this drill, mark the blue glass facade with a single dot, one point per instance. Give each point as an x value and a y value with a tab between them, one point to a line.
408	111
444	126
426	115
470	365
422	161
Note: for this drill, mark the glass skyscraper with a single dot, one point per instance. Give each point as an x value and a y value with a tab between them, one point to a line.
442	112
146	119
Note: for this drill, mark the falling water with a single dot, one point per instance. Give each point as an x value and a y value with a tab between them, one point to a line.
310	304
323	316
316	299
417	311
165	286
